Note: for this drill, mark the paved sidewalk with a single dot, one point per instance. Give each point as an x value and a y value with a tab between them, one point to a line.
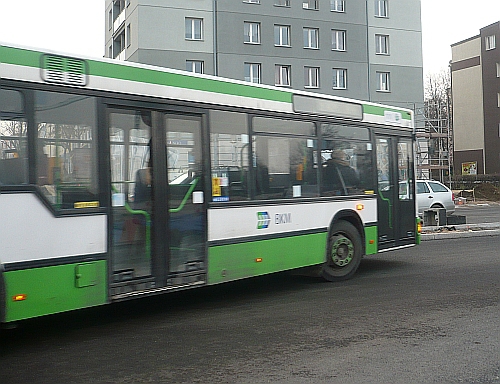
459	231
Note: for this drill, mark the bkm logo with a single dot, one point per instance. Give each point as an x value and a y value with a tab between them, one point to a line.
263	220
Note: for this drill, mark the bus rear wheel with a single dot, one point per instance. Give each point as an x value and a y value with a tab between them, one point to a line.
344	252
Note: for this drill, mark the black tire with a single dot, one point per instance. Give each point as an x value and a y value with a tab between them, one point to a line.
344	252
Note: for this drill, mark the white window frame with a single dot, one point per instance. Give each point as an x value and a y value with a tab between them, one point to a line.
311	38
282	33
498	69
282	3
249	37
337	6
282	75
254	72
490	42
339	78
339	40
311	77
128	35
498	100
252	1
310	4
383	81
381	8
110	19
381	44
190	33
193	64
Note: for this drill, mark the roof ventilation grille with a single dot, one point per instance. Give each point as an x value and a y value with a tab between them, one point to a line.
64	70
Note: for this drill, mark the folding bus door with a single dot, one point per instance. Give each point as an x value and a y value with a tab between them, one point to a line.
158	218
395	191
186	206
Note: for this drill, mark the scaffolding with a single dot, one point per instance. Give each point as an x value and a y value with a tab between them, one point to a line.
434	152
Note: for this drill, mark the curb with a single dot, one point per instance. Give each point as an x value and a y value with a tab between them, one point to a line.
460	231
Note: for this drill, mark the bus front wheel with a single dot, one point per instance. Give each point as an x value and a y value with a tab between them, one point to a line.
344	252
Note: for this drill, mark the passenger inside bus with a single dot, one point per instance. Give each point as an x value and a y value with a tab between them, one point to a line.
338	176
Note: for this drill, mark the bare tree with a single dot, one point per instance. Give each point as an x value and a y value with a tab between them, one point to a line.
437	95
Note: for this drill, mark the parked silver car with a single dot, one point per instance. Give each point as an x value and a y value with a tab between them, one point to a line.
433	194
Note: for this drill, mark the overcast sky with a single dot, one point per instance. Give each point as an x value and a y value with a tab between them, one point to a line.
77	27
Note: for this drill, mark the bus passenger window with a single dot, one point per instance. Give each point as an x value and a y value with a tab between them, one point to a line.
229	148
66	150
284	159
13	139
346	168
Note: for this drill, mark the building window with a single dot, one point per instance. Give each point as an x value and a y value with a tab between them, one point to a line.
119	45
338	40
339	78
282	35
498	100
252	1
337	5
383	81
252	72
127	36
311	77
251	32
311	37
195	66
110	19
498	69
490	42
282	75
381	8
282	3
310	4
194	29
382	44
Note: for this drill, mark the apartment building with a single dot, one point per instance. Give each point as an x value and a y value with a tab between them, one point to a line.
475	71
363	49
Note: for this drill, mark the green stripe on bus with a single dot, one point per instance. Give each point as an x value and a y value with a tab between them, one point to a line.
255	258
54	289
23	57
152	76
371	238
379	111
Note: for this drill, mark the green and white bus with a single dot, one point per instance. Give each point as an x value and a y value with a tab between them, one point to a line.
120	180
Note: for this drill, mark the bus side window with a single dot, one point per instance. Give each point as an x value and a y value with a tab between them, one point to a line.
13	139
229	146
66	149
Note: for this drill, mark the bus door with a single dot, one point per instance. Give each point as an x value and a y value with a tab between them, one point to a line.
186	226
395	191
158	220
131	223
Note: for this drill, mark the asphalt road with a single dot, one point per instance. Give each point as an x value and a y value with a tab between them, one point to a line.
479	213
428	314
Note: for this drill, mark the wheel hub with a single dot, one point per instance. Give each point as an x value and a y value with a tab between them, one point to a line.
342	252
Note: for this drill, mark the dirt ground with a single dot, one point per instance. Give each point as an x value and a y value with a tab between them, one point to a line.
484	192
487	191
